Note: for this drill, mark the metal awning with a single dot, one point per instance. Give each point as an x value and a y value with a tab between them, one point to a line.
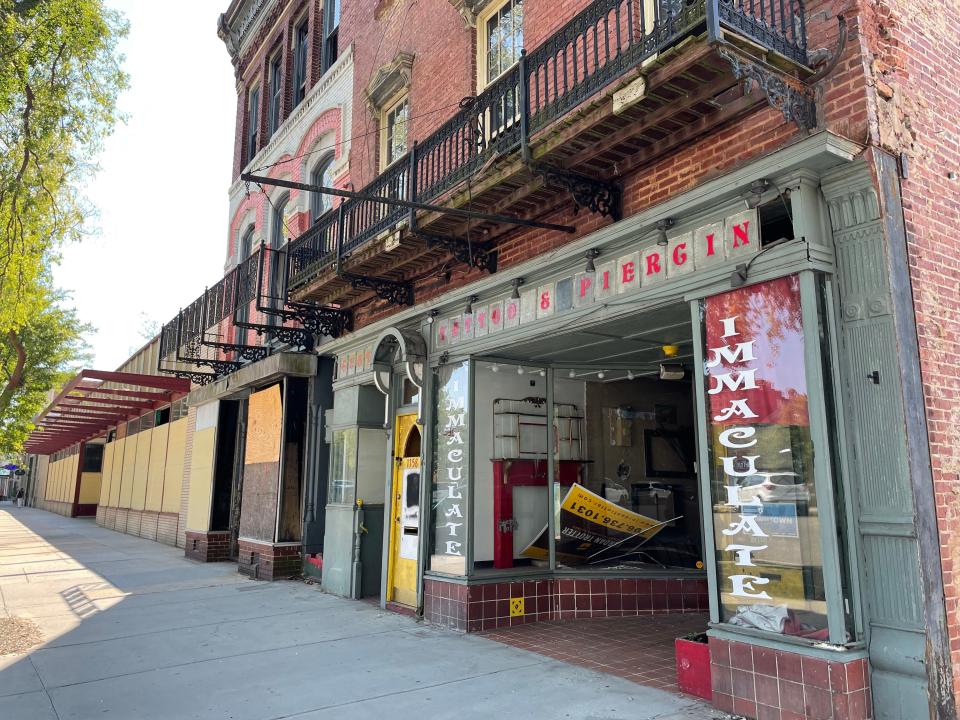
85	408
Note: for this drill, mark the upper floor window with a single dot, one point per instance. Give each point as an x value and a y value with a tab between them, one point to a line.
321	175
276	89
253	122
331	25
300	64
501	41
393	130
277	231
246	245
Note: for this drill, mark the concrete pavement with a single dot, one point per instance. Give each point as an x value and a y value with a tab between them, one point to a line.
131	629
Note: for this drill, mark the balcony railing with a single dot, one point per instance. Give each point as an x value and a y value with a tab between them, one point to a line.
596	47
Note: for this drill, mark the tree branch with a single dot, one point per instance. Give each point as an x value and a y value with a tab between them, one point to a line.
16	377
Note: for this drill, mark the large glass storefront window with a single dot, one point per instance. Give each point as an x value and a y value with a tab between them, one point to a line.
761	461
450	490
626	488
510	467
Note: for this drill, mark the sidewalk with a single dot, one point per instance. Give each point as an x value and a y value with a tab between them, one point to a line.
130	629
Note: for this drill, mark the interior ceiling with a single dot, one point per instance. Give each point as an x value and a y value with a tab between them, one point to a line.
633	342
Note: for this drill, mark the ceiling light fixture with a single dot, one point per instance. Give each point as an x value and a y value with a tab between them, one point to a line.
601	374
519	370
630	375
757	188
494	368
662	227
543	373
432	316
572	374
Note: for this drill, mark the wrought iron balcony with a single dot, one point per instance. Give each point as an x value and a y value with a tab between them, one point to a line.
691	51
249	302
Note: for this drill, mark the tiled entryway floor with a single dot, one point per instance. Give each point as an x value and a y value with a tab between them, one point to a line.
638	648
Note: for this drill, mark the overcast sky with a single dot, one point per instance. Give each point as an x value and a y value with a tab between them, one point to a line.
162	190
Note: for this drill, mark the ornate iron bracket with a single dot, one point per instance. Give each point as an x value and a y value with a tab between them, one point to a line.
252	353
478	255
291	336
787	94
317	319
395	293
219	367
603	198
194	377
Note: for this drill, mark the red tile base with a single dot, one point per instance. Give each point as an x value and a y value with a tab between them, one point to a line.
480	607
768	684
270	561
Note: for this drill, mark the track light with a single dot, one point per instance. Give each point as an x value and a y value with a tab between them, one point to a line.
494	368
671	371
591	255
515	294
432	316
601	374
468	310
543	373
662	226
630	375
519	370
572	374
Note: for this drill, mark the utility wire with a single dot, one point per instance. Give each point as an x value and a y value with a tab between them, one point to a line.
351	138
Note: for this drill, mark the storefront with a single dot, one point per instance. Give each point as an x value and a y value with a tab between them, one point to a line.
655	419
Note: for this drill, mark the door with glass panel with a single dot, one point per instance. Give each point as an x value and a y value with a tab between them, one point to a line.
405	512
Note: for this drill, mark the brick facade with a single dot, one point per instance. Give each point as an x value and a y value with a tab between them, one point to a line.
212	546
270	561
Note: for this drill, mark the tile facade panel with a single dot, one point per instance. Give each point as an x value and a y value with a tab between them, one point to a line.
762	683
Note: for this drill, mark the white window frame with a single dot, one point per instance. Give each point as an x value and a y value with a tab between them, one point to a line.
402	97
483	39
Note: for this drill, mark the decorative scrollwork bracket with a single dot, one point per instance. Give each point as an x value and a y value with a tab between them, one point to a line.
787	94
194	377
395	293
600	197
478	255
321	320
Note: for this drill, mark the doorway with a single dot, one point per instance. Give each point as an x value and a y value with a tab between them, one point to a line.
405	512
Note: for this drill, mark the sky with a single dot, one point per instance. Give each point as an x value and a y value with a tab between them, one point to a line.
161	193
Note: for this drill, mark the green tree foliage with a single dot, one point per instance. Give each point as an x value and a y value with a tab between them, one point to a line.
43	354
60	75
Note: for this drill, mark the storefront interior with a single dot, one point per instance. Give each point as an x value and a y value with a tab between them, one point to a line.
624	432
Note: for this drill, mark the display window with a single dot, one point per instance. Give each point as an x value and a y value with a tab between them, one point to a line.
767	513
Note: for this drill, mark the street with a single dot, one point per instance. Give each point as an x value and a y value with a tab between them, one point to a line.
128	628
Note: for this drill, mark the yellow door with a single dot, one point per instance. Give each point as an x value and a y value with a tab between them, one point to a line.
405	515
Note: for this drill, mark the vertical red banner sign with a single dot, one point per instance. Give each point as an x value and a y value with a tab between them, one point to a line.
766	524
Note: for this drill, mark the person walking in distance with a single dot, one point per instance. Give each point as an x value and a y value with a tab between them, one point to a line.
20	497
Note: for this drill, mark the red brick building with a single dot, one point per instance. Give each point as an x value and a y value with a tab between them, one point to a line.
621	308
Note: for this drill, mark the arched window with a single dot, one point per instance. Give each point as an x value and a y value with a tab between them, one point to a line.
278	230
321	175
246	245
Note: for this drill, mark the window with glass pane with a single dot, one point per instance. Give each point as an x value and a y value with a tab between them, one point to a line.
451	469
343	467
625	491
504	38
321	175
243	311
276	89
331	27
766	523
395	128
511	468
253	122
300	64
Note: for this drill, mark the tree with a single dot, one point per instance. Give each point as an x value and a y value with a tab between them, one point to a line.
60	76
42	355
